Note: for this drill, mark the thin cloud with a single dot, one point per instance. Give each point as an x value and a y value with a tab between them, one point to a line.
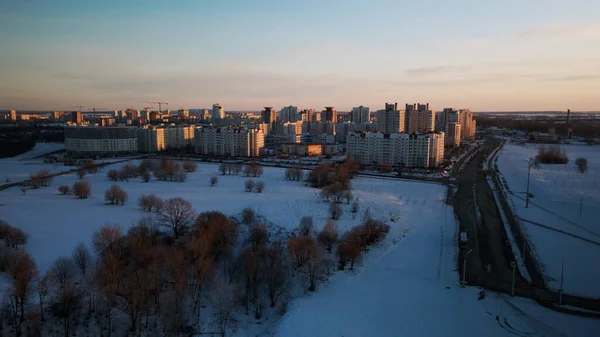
564	31
435	70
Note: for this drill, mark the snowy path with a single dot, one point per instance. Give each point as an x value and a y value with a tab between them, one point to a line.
413	291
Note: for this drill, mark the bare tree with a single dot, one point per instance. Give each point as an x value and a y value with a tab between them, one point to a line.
347	195
354	208
260	186
15	237
82	189
62	271
80	173
64	189
112	175
223	304
146	176
177	215
349	251
213	181
115	195
306	226
328	236
107	239
248	216
189	166
581	164
335	210
23	273
236	168
42	290
275	272
249	185
223	168
40	178
81	257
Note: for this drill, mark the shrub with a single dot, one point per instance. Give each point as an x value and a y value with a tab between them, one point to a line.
260	186
40	178
552	155
189	166
64	189
213	181
150	202
146	176
581	164
248	216
328	235
249	185
335	210
113	175
115	195
82	189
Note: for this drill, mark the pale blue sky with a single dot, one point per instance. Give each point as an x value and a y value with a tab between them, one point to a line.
486	55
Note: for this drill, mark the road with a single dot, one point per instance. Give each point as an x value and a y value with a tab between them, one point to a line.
487	240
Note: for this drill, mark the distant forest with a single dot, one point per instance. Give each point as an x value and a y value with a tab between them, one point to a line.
15	140
581	127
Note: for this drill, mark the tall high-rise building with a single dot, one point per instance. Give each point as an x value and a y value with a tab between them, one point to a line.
288	114
329	114
268	115
76	117
466	120
419	118
56	115
360	115
13	115
217	112
183	113
390	120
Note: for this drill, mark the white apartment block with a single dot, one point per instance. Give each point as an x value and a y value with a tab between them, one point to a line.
360	114
397	149
229	142
179	136
151	139
89	140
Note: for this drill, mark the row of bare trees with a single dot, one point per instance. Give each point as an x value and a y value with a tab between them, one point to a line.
41	178
294	174
327	174
230	168
165	274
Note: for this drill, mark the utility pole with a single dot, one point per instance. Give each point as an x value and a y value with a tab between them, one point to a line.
560	292
528	175
514	267
464	278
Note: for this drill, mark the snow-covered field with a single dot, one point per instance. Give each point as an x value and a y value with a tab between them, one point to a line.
558	192
412	290
406	286
20	167
57	223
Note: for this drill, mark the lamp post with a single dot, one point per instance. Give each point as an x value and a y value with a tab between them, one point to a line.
464	276
528	175
514	266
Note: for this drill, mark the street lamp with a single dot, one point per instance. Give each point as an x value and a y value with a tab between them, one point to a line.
528	174
464	276
514	267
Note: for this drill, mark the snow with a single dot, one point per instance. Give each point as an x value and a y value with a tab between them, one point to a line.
412	290
402	284
557	192
57	223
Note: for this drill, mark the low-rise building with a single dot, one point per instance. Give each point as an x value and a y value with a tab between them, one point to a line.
304	150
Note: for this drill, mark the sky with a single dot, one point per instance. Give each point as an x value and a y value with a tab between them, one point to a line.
485	55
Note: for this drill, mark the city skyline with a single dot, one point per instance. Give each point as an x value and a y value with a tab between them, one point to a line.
509	56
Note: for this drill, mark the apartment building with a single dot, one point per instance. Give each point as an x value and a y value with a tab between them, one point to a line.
419	118
92	141
237	142
397	149
390	120
288	114
360	114
449	121
467	124
158	138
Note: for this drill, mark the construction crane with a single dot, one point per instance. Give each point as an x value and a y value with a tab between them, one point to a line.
94	109
159	105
